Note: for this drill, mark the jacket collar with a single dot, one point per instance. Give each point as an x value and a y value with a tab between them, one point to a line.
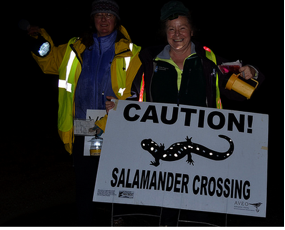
104	43
151	53
121	44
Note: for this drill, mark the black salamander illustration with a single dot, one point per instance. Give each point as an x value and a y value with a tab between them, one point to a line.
181	149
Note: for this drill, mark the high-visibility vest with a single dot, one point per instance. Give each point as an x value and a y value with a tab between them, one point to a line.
125	71
69	68
211	56
122	72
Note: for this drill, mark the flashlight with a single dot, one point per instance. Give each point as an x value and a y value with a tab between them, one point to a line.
40	46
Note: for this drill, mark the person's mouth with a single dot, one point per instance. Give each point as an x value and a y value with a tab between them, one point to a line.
179	40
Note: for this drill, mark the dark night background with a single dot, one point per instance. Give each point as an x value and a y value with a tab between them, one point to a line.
37	178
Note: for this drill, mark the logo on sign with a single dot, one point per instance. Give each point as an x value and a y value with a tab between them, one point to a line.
245	206
126	194
257	205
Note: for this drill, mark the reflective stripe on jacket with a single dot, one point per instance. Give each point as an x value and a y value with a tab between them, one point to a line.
211	56
66	61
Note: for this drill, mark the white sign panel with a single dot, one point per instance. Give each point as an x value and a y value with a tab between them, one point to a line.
184	157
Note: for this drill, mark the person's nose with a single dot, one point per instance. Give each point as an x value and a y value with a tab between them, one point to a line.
177	32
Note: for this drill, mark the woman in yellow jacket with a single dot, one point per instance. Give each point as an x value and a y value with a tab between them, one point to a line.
102	63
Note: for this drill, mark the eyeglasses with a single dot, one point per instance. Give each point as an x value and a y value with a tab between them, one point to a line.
106	15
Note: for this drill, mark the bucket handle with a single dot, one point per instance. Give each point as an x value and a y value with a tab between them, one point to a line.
252	80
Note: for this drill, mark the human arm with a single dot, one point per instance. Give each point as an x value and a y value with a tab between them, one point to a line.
247	72
50	63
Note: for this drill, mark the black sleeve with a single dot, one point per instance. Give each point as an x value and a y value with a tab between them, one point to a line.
136	85
230	94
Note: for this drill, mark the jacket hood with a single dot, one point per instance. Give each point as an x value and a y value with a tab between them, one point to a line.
122	42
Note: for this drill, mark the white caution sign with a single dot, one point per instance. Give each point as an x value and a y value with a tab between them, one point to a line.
184	157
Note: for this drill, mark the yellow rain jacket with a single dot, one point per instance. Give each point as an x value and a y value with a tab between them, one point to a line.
65	61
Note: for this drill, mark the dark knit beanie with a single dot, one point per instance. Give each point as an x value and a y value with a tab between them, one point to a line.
105	6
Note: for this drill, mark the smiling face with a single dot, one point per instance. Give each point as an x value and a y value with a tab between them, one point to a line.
105	23
179	33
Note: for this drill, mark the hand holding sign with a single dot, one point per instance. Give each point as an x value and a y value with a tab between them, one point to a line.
109	104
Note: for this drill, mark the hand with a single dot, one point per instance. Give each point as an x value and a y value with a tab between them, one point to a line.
247	72
97	130
33	30
109	104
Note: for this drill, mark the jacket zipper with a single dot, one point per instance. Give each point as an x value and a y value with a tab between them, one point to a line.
99	46
188	81
154	66
103	98
178	95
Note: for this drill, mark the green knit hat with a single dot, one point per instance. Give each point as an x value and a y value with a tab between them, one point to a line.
172	10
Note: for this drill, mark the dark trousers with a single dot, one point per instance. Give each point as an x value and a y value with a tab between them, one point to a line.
85	174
